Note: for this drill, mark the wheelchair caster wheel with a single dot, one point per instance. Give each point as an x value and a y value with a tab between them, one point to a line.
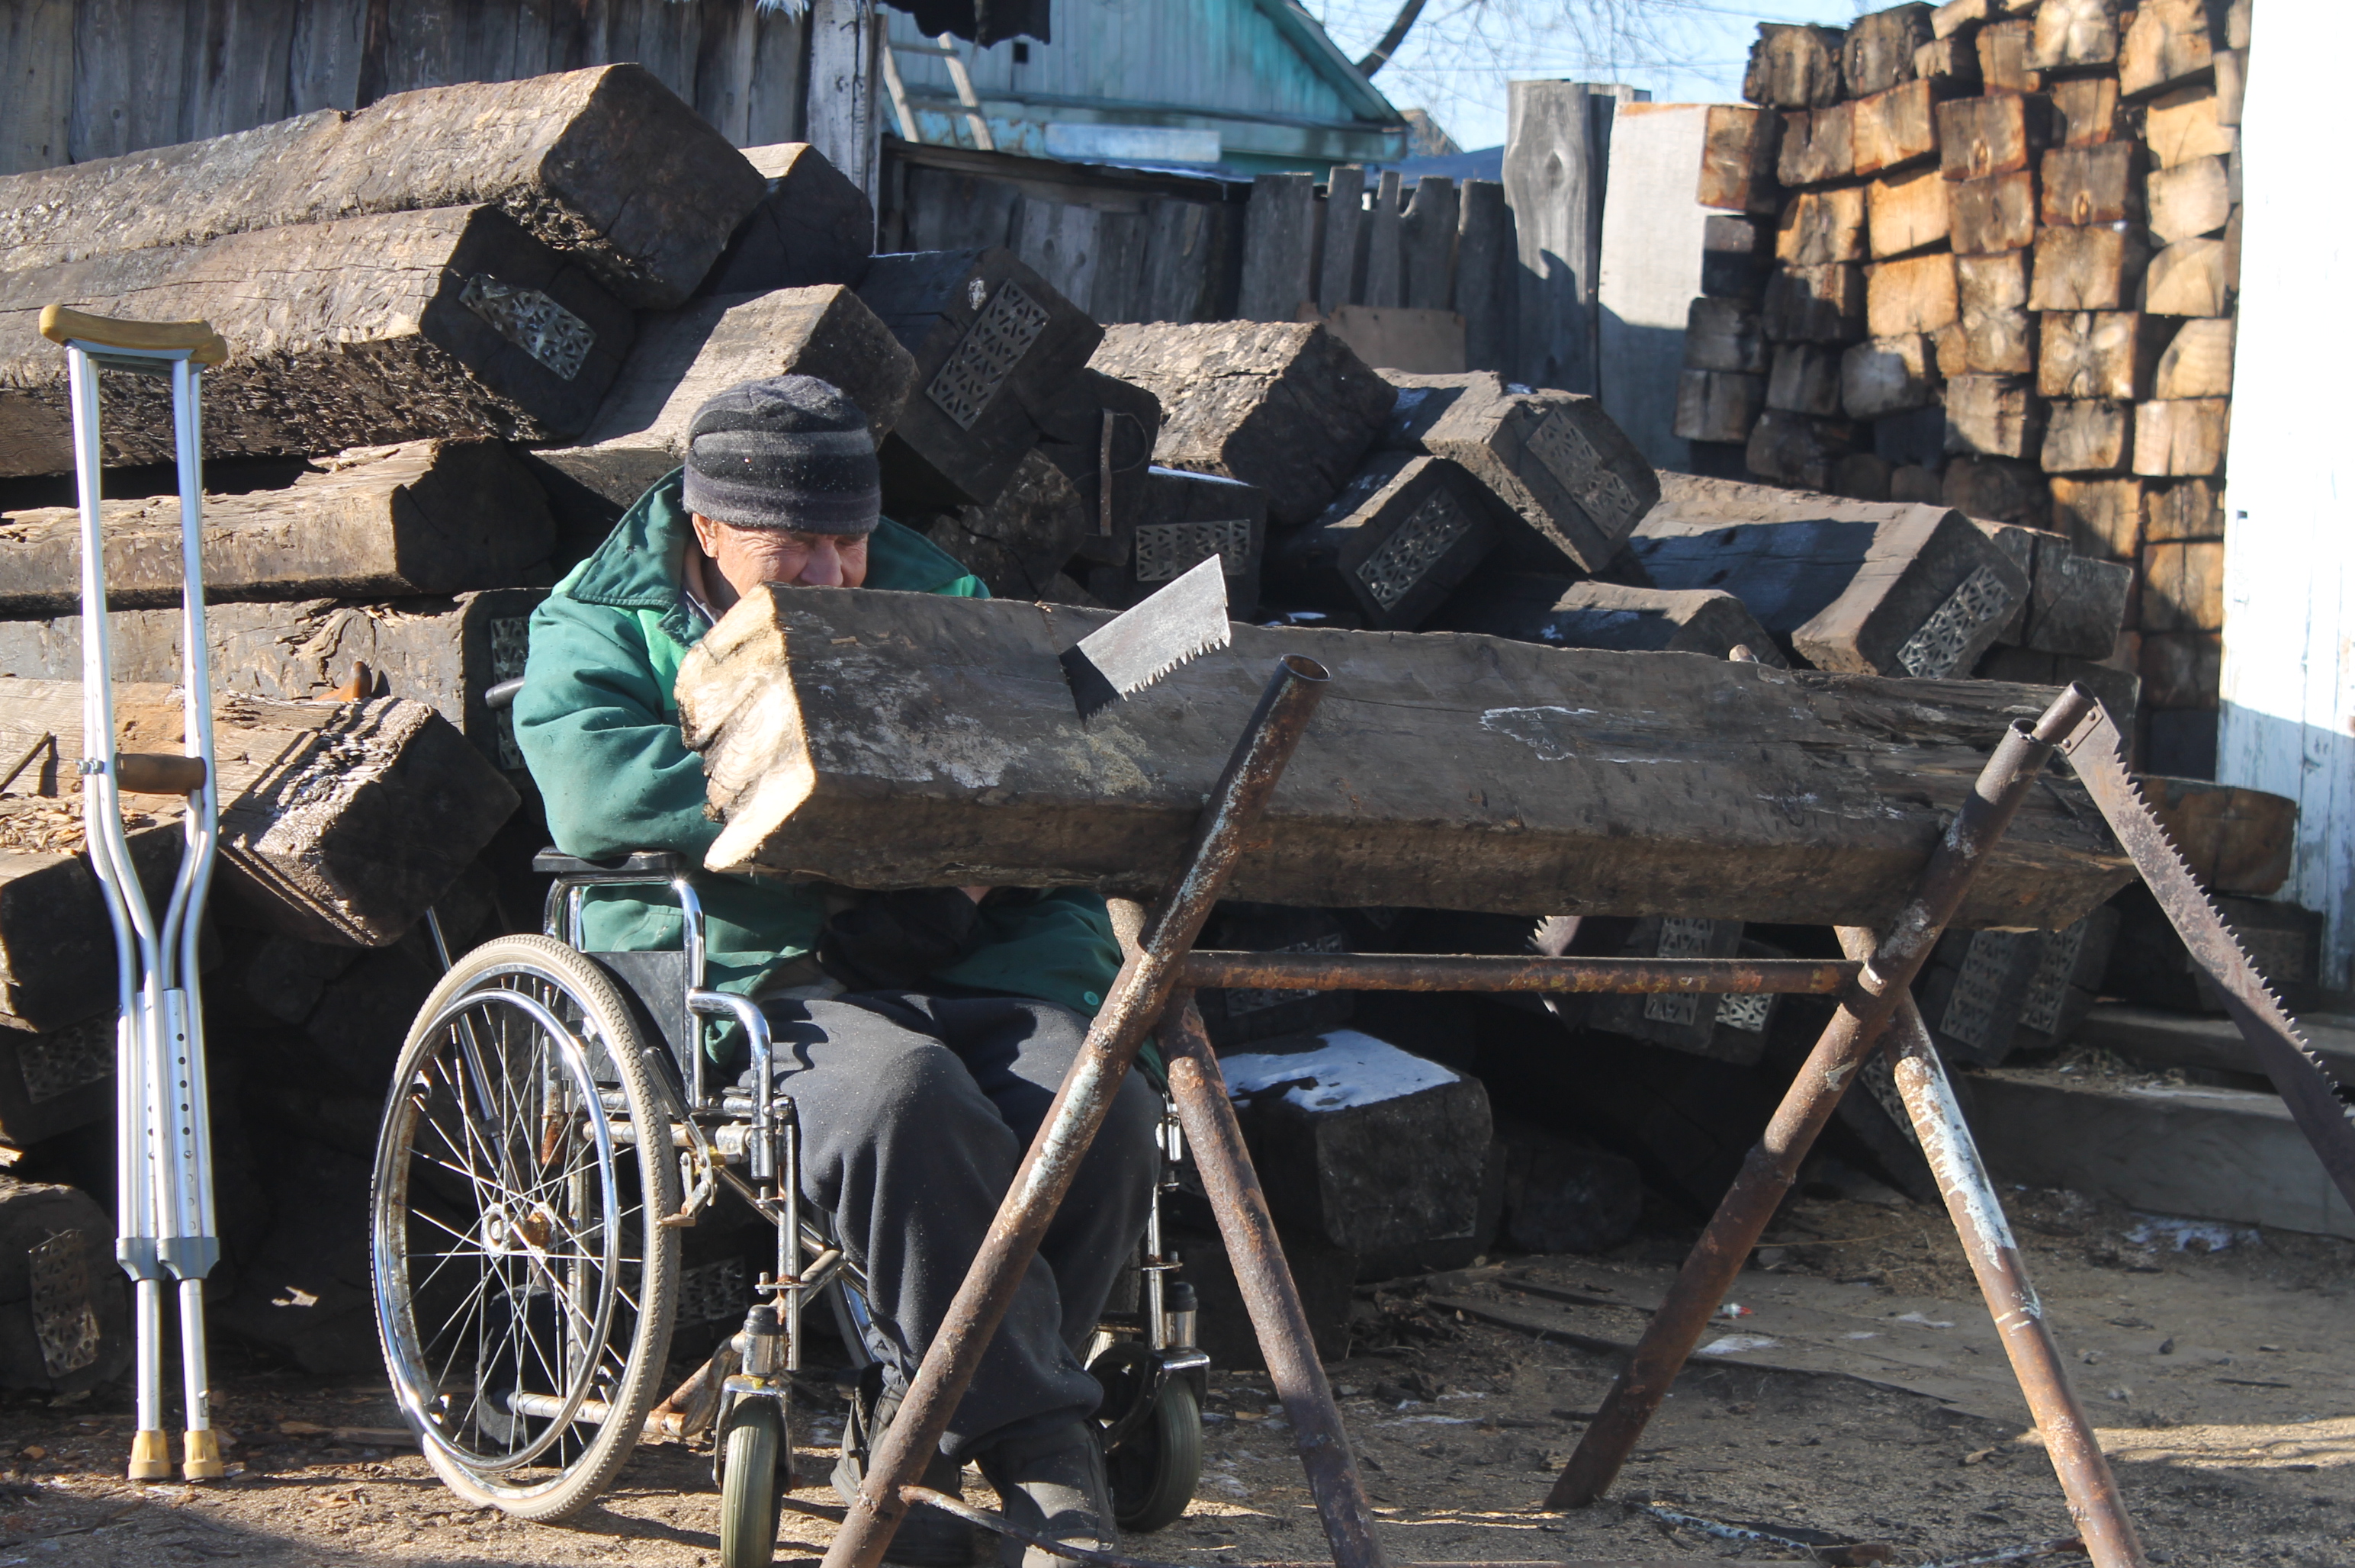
1155	1467
751	1487
1151	1428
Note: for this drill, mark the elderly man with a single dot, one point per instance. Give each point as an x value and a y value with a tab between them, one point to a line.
922	1033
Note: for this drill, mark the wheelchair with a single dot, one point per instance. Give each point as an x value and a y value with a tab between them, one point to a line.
553	1127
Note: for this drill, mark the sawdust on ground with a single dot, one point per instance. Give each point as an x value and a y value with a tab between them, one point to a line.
2244	1451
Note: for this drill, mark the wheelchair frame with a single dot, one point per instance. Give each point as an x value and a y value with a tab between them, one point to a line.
747	1142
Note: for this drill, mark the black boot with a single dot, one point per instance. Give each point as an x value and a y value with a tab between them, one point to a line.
1053	1484
926	1538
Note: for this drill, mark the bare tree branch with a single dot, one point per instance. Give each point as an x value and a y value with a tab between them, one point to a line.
1400	26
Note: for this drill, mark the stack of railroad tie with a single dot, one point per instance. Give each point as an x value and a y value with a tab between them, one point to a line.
1988	253
497	307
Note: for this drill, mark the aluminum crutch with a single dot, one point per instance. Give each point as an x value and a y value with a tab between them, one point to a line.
164	1169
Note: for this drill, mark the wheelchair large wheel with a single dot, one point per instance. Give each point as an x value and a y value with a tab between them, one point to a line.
751	1489
523	1290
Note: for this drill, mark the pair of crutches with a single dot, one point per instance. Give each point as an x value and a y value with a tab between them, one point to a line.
165	1229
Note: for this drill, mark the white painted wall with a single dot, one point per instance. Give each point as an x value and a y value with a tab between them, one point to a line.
1651	270
2288	719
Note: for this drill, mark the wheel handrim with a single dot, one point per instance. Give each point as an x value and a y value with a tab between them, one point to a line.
504	1108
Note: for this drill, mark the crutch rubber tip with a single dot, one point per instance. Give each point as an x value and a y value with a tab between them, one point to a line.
151	1456
202	1460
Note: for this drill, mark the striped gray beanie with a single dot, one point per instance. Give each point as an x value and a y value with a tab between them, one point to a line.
785	452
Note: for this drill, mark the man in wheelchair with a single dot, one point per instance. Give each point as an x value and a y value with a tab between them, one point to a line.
924	1032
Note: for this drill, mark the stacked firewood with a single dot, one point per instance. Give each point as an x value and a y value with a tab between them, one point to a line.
1987	253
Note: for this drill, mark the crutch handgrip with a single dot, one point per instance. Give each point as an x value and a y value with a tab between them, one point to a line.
200	342
157	773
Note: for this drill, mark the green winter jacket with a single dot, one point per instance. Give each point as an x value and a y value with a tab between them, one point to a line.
598	726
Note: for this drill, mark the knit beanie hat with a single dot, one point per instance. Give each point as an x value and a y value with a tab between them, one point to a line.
785	452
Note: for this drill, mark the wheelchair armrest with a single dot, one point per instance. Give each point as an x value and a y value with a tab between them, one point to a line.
549	862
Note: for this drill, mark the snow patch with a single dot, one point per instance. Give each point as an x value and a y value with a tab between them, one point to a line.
1347	1069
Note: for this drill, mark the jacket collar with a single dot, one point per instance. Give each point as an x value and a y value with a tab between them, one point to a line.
642	561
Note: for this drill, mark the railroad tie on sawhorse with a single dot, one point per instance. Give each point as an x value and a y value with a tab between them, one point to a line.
1156	982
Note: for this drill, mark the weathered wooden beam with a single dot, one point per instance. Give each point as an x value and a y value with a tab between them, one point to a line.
1018	542
1998	134
1805	380
2098	354
55	1082
374	522
993	342
1563	612
2074	33
1794	66
2084	110
2004	58
1908	212
1718	405
2168	42
1182	519
2218	1153
1815	305
1739	150
1820	227
65	1326
1885	376
683	357
814	227
1101	433
1870	587
1284	406
1878	53
1894	128
1796	449
2185	438
340	823
1457	771
606	165
1562	478
448	323
1994	416
1819	146
2197	363
1393	544
2087	438
2100	184
443	652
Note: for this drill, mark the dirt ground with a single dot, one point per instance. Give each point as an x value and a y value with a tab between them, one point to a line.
2223	1390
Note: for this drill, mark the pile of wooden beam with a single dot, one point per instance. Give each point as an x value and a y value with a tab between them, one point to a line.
417	296
1987	253
495	311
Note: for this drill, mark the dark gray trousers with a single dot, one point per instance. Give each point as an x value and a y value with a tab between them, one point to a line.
915	1111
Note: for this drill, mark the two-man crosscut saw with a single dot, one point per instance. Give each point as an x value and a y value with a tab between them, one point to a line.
2097	756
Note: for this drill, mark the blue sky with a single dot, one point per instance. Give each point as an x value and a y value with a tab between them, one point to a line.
1461	52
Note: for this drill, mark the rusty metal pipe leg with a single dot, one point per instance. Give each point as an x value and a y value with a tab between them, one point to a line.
1772	1165
1136	1001
1266	1280
1977	1213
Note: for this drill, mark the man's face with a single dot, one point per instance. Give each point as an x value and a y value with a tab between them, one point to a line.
748	556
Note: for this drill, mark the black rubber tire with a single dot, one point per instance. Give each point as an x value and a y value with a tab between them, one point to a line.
751	1491
1154	1473
596	1008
